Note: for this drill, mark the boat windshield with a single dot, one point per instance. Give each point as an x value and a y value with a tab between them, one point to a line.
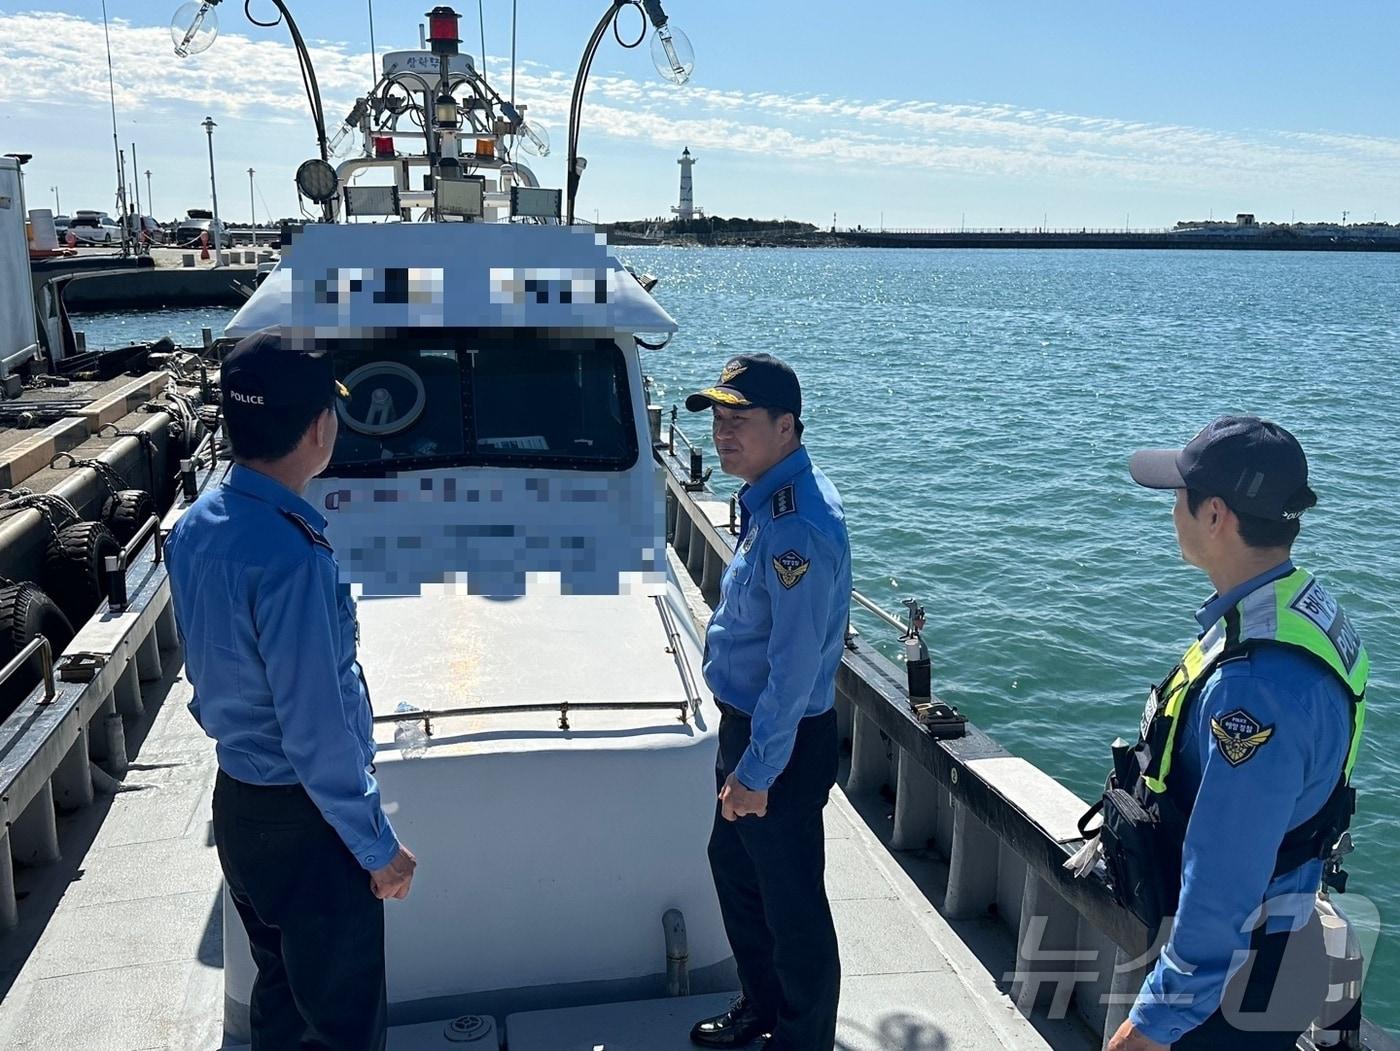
434	398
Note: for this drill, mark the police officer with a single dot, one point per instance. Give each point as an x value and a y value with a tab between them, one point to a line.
1246	753
771	654
270	634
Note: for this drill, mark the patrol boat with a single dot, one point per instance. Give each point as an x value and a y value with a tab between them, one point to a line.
533	564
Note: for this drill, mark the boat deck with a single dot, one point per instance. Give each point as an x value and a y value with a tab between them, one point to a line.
124	949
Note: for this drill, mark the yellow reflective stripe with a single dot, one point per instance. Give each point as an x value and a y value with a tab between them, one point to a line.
1355	738
1196	663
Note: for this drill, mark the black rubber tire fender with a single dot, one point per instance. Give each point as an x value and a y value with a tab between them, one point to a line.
26	613
73	568
126	511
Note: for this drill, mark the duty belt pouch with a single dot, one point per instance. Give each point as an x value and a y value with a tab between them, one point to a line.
1138	853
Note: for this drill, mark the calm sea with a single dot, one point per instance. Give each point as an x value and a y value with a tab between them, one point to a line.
976	410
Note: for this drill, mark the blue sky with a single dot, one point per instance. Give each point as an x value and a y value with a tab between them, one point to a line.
918	114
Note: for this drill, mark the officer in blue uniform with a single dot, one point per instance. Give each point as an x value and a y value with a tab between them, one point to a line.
270	634
1245	757
771	654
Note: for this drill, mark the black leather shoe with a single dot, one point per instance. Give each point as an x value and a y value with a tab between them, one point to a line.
737	1027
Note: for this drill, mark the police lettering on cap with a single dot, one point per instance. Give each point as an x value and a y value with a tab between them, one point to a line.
752	381
269	373
1254	465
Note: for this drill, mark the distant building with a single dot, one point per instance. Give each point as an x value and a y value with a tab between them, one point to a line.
1244	219
685	210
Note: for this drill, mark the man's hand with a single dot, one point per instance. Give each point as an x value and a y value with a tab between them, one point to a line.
736	800
1129	1039
394	879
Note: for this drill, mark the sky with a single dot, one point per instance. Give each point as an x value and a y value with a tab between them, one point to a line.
902	114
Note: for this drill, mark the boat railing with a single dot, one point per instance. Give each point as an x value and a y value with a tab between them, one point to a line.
1004	827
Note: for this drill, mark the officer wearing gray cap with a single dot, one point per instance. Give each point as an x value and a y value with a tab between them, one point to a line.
1216	825
269	634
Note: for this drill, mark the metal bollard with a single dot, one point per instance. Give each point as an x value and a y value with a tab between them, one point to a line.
189	485
115	577
677	954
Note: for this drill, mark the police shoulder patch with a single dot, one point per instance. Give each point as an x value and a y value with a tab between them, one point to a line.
790	567
784	501
1239	735
306	527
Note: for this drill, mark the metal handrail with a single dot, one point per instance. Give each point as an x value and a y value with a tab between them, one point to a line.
114	567
888	618
41	644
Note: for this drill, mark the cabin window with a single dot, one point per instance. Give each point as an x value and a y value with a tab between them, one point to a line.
424	399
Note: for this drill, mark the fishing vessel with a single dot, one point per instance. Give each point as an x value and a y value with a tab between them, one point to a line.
535	553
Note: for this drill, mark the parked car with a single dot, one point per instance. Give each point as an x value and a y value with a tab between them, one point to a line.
91	228
199	221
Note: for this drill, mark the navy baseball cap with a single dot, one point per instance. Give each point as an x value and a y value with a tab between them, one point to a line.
752	381
1254	465
267	374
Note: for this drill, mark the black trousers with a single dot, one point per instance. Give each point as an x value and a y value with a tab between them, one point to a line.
1272	999
315	928
769	874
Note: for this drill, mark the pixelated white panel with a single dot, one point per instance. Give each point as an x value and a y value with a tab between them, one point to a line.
457	275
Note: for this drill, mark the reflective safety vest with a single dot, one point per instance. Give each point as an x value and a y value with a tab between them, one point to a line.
1294	610
1143	827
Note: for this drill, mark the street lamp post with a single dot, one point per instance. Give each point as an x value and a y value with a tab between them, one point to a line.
208	125
252	209
57	207
150	201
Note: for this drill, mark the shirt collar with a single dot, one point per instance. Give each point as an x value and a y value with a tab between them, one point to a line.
1218	605
773	479
270	491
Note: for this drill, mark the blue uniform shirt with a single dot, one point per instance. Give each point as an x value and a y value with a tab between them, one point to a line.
1239	816
774	642
269	637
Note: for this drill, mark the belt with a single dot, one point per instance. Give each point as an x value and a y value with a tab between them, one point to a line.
731	711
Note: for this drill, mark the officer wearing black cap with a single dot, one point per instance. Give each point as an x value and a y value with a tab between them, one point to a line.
772	650
307	852
1239	785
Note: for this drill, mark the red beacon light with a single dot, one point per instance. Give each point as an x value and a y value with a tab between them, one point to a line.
442	30
383	146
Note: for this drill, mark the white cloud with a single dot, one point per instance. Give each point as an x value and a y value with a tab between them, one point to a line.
258	79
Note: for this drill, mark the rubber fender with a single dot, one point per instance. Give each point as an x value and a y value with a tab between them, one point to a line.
126	511
26	613
73	568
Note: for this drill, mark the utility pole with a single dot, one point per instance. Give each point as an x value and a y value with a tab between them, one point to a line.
208	125
252	209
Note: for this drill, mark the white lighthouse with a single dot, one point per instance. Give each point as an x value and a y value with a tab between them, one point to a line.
685	210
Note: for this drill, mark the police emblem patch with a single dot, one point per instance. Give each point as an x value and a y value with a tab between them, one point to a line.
1238	735
731	370
790	567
